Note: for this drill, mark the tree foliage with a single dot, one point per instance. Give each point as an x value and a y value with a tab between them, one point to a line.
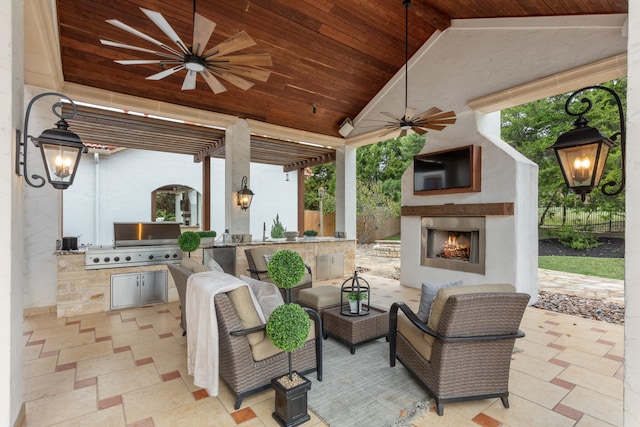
378	166
534	127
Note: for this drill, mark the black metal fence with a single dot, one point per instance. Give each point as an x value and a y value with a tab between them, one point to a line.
597	221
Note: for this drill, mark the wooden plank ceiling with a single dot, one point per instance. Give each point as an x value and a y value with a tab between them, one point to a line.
330	57
108	130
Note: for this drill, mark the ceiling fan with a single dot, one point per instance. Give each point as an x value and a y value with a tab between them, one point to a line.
212	64
433	118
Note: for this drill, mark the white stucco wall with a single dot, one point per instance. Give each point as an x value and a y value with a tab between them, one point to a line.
511	241
632	228
11	228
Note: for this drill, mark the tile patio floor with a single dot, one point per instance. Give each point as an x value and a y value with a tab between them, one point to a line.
128	368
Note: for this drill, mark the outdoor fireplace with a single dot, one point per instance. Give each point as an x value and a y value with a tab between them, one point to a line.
454	243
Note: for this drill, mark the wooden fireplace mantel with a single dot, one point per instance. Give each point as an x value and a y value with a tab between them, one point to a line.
475	209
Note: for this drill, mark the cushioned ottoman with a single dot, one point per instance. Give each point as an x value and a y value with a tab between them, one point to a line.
320	298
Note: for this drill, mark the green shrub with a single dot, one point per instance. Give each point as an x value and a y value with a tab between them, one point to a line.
277	229
574	239
288	327
310	233
189	241
208	233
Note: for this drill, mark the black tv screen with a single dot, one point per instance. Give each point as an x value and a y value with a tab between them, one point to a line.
444	170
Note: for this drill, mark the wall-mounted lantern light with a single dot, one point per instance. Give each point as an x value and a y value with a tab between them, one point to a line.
582	152
245	195
60	148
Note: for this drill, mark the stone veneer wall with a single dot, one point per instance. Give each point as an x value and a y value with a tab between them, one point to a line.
82	291
308	250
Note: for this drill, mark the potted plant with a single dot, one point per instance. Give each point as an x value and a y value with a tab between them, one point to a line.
206	237
288	328
355	301
309	234
277	229
189	241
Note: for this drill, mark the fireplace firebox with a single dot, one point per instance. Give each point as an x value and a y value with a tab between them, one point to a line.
454	243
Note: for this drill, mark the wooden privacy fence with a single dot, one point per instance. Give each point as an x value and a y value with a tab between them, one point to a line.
388	227
312	222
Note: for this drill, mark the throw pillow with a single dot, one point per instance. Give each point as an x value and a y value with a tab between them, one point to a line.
214	266
267	258
267	294
429	291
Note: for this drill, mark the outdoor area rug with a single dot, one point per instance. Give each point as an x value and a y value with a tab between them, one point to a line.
362	389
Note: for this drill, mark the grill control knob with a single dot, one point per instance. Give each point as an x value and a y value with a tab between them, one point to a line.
167	256
96	260
150	256
175	255
116	259
107	259
128	258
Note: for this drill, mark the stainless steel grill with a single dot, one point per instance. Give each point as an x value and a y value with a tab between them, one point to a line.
138	244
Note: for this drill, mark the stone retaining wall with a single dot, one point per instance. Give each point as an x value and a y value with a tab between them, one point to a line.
387	248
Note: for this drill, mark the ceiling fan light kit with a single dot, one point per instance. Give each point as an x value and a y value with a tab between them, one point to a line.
432	119
212	64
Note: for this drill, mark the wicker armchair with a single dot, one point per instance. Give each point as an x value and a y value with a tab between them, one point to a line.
465	353
240	371
258	269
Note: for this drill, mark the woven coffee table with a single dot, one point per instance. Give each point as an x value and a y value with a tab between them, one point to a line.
354	330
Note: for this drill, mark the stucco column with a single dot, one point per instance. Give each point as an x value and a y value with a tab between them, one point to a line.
632	229
346	191
237	166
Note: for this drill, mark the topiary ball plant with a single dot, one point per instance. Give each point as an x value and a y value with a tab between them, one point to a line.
286	268
288	327
189	241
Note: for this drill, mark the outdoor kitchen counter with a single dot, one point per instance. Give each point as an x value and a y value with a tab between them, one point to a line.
309	250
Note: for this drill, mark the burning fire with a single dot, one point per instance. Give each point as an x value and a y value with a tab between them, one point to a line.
451	249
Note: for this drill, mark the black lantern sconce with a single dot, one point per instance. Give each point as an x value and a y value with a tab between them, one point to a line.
582	152
60	148
245	195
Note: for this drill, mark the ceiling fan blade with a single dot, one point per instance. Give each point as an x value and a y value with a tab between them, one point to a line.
202	30
165	73
240	41
142	35
235	80
162	23
430	112
408	113
418	130
253	59
213	83
446	115
392	116
189	82
139	49
403	132
145	61
433	127
251	73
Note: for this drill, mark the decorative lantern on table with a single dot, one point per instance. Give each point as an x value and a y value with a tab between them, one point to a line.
355	290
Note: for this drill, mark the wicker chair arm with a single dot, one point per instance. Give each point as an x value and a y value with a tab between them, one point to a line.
248	331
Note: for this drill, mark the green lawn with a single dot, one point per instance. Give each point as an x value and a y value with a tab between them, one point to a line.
611	268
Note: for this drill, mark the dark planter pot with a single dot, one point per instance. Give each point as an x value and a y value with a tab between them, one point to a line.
291	403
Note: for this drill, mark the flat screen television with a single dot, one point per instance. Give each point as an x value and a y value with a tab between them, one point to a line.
450	171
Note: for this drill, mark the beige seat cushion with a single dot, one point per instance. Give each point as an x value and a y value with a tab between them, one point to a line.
194	266
258	257
422	342
444	294
243	303
320	297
